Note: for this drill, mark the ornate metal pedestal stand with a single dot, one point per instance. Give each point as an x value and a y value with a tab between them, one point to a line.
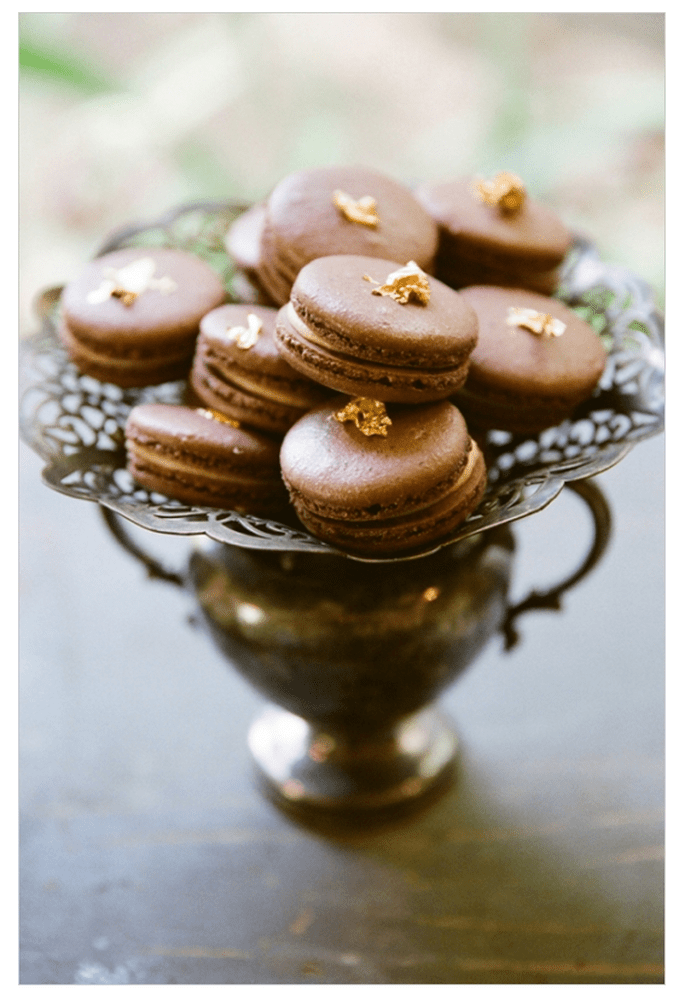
352	653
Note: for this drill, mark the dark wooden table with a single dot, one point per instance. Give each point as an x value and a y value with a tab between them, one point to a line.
149	857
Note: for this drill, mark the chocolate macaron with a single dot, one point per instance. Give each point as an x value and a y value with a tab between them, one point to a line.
362	326
339	210
239	372
536	360
201	458
375	481
243	245
492	231
132	316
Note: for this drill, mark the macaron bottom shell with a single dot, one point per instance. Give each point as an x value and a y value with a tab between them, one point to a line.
459	272
128	370
200	487
486	410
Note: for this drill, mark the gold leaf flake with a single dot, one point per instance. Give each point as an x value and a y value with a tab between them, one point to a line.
535	321
211	415
369	416
243	337
506	191
130	281
405	284
363	211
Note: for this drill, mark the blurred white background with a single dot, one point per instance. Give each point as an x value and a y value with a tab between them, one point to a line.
123	115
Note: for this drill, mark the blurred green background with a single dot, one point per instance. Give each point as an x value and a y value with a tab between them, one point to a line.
125	115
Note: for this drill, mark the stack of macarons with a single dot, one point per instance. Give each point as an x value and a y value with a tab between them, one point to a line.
239	371
388	466
379	330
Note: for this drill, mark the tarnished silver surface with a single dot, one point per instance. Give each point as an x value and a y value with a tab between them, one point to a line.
76	424
354	655
301	767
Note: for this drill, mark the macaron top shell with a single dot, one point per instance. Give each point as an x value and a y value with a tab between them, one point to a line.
261	355
333	298
533	233
337	467
196	434
510	357
180	288
303	218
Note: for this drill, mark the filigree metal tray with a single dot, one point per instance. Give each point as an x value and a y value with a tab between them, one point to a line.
76	424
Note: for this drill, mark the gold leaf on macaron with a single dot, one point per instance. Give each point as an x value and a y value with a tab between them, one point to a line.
211	415
362	211
243	337
505	191
130	281
369	416
404	285
535	321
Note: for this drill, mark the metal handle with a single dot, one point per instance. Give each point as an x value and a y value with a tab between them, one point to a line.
590	492
153	567
587	489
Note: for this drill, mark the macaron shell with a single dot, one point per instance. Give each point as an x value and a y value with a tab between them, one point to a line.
207	439
262	357
534	233
341	472
153	317
243	245
394	384
334	297
243	238
141	369
512	358
458	271
252	404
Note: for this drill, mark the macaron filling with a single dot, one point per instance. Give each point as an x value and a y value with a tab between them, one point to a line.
288	391
309	327
167	460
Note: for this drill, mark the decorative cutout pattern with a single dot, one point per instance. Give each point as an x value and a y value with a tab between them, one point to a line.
76	424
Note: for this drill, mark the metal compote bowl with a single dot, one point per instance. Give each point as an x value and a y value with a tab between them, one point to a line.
353	653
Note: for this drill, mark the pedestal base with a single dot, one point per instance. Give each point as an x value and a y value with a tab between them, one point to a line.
307	769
